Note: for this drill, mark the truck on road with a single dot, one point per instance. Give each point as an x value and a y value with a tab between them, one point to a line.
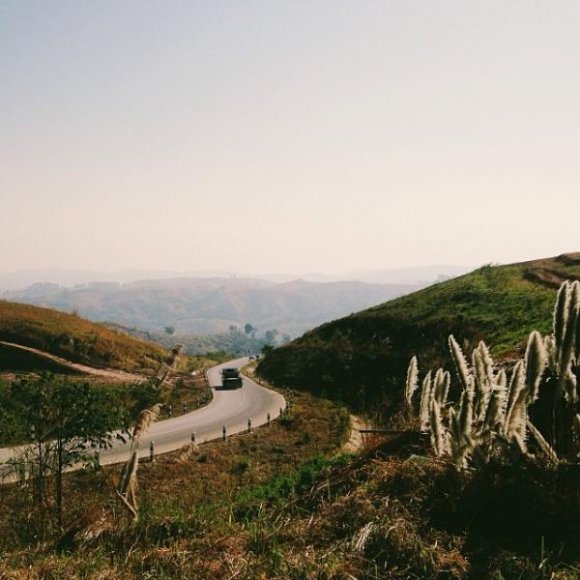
231	378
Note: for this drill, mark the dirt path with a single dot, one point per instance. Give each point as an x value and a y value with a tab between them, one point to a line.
109	374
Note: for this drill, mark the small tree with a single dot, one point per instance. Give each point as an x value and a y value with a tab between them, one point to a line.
61	419
270	336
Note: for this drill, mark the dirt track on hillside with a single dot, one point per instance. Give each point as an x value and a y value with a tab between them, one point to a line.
109	374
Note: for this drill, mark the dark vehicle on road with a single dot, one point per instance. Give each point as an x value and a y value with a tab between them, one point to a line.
231	378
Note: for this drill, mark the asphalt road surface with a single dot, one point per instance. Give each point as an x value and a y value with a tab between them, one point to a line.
229	408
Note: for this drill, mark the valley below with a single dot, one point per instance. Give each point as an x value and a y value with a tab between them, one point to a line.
456	472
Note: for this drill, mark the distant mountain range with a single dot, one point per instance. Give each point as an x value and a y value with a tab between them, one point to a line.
420	275
67	277
21	279
204	306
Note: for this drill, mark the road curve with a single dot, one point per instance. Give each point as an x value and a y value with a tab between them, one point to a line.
229	408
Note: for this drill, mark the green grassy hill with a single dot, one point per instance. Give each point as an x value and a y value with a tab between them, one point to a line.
73	338
362	359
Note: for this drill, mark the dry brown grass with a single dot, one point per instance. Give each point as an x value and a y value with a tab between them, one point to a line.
392	512
75	338
186	502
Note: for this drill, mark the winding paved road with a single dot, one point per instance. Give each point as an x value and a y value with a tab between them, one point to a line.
231	408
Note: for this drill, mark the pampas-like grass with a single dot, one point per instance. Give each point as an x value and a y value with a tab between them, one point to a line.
501	379
542	443
561	313
437	429
487	360
491	418
483	374
515	413
565	336
568	342
424	404
465	415
460	364
441	385
536	362
411	385
129	471
478	369
494	415
483	366
550	346
144	420
127	490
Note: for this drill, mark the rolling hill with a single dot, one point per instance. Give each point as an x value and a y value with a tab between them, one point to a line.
362	359
205	306
71	337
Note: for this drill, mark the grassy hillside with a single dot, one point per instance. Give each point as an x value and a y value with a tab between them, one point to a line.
273	504
74	338
362	359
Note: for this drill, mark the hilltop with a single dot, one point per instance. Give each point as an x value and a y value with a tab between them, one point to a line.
362	359
73	338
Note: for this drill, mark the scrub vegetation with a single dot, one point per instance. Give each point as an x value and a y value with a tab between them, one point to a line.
476	477
360	358
203	512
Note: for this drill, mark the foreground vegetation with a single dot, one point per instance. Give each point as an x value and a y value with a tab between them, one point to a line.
20	398
256	507
477	479
496	415
203	512
359	359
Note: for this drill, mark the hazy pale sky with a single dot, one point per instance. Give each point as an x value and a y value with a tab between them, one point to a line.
298	135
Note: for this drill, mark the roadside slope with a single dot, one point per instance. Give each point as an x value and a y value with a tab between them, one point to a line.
28	355
71	337
362	359
229	408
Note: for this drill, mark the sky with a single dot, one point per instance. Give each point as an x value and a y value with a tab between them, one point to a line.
305	136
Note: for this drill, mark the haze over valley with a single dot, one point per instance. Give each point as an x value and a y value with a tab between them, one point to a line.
212	305
289	289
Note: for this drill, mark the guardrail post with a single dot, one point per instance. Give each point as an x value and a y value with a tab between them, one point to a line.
224	434
249	425
193	436
98	457
268	419
170	410
152	451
